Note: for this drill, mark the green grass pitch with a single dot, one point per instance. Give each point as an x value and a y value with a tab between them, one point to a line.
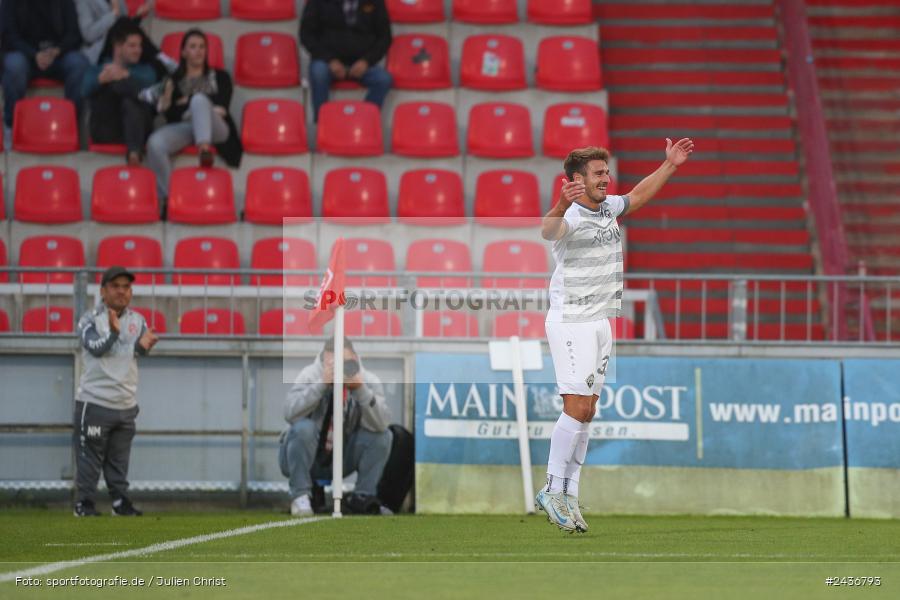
435	557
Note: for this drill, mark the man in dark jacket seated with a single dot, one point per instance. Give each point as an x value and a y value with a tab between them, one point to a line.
346	39
117	114
42	39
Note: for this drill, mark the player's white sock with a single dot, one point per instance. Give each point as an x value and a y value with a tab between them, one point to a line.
562	445
573	471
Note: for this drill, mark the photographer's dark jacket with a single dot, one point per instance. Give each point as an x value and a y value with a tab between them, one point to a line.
310	398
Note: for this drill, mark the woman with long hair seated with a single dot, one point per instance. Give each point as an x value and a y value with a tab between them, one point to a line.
194	102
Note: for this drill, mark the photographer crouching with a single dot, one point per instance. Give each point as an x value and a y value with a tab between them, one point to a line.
306	445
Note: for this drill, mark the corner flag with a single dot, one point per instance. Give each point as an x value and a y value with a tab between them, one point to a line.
331	292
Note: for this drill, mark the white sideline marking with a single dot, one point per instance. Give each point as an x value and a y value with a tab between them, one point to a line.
61	544
152	549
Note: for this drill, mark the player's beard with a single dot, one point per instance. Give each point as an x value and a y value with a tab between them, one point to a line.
597	196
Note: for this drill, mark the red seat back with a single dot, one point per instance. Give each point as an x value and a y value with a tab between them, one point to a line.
50	251
568	64
132	252
419	61
277	193
364	323
449	323
365	254
206	253
355	196
507	198
154	318
493	62
188	10
201	196
288	322
560	12
48	319
283	254
124	195
485	11
439	255
212	321
415	11
47	194
431	197
266	59
500	130
45	125
263	10
514	256
424	129
574	125
274	126
215	53
523	324
349	128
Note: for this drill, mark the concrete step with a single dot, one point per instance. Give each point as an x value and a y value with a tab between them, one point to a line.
694	44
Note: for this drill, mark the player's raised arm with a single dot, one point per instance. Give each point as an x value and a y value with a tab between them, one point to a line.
676	155
554	225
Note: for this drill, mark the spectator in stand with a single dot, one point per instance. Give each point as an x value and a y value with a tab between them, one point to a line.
346	40
117	115
41	38
194	102
96	18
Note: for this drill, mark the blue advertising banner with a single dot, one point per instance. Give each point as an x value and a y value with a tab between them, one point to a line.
662	412
872	412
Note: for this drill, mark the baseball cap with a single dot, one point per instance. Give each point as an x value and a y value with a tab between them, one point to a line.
113	272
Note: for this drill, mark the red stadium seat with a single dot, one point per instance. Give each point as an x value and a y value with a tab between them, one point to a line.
201	196
560	12
574	125
425	129
349	128
48	319
154	318
492	62
364	323
291	321
124	195
419	61
277	193
364	254
415	11
500	130
50	251
523	324
515	256
4	318
263	10
4	276
215	53
436	255
113	149
47	194
132	252
568	64
449	323
611	188
274	126
188	10
431	197
266	59
45	126
212	321
206	253
355	196
623	328
2	200
289	254
485	11
507	198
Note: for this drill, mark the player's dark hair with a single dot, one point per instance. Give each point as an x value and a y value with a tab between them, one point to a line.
578	159
122	30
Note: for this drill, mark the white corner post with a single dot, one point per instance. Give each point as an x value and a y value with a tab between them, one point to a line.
337	419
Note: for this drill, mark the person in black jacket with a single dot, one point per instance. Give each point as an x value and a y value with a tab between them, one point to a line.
346	39
42	39
194	102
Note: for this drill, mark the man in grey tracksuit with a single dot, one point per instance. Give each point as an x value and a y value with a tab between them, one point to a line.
111	336
308	410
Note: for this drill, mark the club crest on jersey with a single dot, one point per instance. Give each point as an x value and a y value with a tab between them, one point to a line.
590	380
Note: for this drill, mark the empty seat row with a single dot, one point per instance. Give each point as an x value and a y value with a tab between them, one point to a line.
546	12
419	129
275	254
351	195
294	322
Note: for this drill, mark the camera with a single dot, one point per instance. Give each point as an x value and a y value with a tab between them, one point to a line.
351	367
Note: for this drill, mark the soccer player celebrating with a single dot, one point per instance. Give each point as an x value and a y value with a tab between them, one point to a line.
585	292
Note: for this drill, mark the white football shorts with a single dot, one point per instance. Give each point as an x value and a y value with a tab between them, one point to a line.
581	353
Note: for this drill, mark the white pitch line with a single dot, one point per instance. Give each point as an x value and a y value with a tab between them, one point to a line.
153	549
61	544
